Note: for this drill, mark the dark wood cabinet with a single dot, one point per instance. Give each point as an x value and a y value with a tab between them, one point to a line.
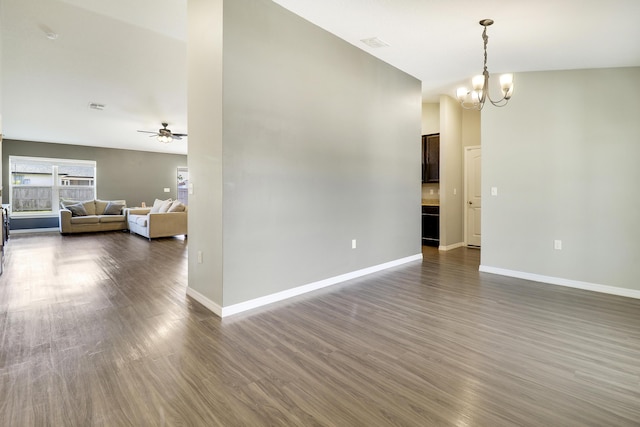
431	225
431	158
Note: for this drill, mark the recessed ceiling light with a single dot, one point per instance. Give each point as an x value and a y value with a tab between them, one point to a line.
375	42
96	106
51	35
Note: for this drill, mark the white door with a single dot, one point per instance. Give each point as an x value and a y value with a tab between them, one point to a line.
473	198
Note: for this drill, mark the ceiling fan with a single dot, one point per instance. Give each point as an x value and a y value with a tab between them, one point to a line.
164	134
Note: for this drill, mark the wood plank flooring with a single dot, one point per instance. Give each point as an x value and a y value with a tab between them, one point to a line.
96	330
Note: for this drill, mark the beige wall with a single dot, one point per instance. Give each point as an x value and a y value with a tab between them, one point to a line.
471	128
451	172
430	118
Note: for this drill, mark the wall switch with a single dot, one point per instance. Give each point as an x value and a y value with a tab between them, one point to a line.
557	245
455	191
190	188
167	190
494	191
353	244
199	257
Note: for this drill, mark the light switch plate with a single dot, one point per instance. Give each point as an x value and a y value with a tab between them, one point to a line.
494	191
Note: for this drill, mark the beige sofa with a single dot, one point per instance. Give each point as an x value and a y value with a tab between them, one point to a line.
154	222
92	215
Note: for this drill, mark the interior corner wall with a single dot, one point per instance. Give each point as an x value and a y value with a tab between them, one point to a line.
564	157
320	147
430	118
451	173
204	103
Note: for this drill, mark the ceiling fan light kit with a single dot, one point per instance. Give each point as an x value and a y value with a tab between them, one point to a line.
164	134
475	98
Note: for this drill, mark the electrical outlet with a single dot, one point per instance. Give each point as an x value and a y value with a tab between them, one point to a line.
557	245
353	243
167	189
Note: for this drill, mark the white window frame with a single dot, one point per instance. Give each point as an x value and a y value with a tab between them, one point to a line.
55	190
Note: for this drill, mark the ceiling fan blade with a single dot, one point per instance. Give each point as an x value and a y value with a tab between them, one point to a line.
146	131
176	137
179	134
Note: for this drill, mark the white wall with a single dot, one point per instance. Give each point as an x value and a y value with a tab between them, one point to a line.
564	157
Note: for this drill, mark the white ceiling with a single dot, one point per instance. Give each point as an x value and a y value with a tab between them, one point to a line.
131	55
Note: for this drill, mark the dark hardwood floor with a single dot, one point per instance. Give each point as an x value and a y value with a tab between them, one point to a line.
96	330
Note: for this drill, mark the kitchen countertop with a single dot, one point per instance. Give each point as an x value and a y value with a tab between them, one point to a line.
430	202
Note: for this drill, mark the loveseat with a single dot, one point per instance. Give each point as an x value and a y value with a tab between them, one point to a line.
92	215
165	219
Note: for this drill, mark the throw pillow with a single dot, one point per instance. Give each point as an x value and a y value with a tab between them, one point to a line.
66	202
77	210
101	205
113	209
165	206
176	206
157	204
90	207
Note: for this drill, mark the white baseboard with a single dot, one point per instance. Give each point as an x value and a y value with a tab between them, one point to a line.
33	230
613	290
204	301
289	293
449	247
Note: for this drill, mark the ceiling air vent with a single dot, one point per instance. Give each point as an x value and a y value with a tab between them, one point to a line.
375	42
96	106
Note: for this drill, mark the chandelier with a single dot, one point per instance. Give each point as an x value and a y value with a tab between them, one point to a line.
475	98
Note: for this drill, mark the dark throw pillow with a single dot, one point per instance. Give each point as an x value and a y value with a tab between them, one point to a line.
113	209
77	210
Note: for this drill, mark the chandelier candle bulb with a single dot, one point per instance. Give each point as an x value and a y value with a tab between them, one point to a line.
478	83
461	93
506	83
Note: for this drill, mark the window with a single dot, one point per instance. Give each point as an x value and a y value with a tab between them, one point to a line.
38	184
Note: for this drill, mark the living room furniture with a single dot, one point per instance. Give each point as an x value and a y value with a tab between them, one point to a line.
92	215
152	223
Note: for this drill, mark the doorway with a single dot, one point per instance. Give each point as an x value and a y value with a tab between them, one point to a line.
472	194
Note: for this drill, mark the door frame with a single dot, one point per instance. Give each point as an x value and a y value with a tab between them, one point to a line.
467	150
